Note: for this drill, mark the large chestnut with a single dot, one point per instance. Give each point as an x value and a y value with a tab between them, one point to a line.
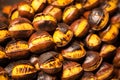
3	74
17	49
21	70
71	70
44	22
40	41
80	27
98	18
92	61
62	35
51	62
20	28
75	51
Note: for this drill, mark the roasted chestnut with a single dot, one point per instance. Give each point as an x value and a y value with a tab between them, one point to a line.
60	3
21	70
70	14
17	49
110	34
88	76
3	74
25	10
71	70
20	28
44	22
93	41
105	71
92	61
98	18
51	62
116	60
40	41
54	11
80	27
38	5
62	35
75	51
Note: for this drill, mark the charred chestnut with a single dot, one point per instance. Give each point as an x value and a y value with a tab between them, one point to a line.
60	3
62	35
3	74
71	70
54	11
93	41
98	18
44	22
70	14
105	71
92	61
40	41
17	49
75	51
20	28
25	10
51	62
80	27
110	34
21	70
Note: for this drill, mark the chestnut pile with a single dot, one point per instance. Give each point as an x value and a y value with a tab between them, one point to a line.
60	40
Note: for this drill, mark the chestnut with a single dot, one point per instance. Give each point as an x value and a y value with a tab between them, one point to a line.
80	27
54	11
3	74
25	10
40	41
60	3
105	71
116	60
38	5
62	35
116	74
98	18
88	76
70	13
21	70
110	34
20	28
51	62
93	41
107	50
79	6
75	51
92	61
71	70
17	49
115	18
44	22
86	14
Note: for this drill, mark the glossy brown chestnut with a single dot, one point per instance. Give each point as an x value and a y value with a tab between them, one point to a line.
105	71
70	13
88	76
17	49
92	61
62	35
44	22
54	11
75	51
71	70
20	28
51	62
107	50
25	10
110	34
38	5
3	74
116	60
93	41
40	41
98	18
21	70
60	3
80	27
